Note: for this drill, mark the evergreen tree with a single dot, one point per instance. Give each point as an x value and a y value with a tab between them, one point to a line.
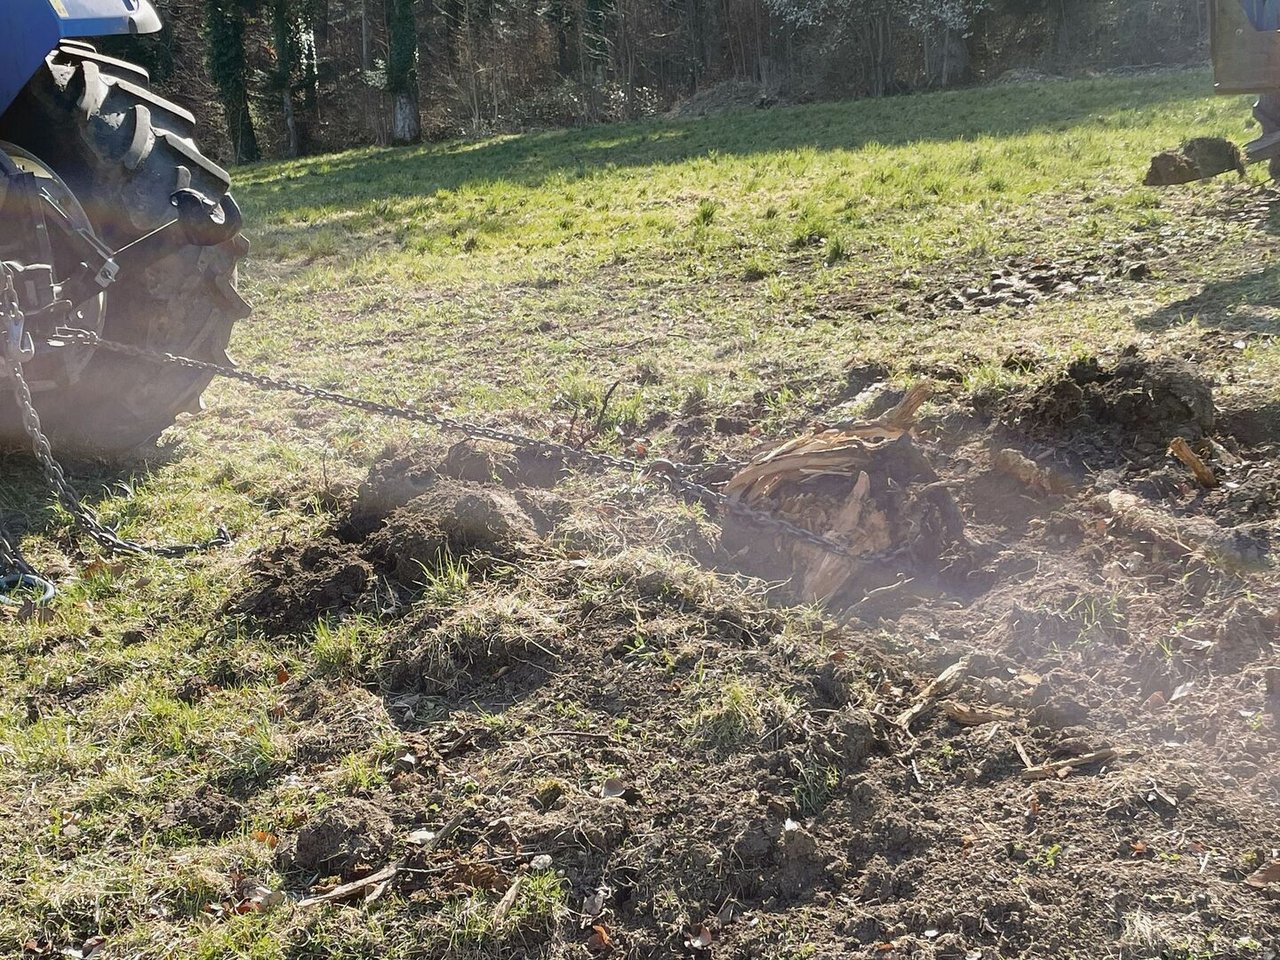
224	28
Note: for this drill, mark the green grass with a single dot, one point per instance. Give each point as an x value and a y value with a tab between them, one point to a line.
614	278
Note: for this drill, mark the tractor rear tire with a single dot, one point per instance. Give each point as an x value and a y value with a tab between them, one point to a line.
123	151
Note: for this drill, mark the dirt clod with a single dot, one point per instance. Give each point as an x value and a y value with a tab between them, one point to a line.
451	518
291	586
1199	159
208	813
344	838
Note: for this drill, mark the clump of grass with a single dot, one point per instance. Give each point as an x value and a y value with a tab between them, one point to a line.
815	786
756	268
342	649
705	215
598	410
733	713
467	926
445	582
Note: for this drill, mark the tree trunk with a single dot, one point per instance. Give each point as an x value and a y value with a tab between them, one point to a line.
282	28
402	71
406	124
224	28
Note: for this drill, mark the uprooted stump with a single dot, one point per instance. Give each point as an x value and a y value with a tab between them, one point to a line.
868	487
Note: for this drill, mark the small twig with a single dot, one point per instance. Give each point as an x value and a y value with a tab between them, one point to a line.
1204	474
604	408
1022	753
1060	768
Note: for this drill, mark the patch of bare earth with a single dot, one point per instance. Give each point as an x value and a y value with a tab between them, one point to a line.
1047	726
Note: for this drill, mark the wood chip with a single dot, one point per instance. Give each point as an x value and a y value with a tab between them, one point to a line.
508	899
939	687
1027	472
355	887
971	716
1204	474
1061	768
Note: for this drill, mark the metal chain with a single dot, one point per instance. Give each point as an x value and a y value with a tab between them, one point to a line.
672	475
19	573
83	515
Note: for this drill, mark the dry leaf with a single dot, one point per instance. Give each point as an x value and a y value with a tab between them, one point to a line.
613	787
1182	690
1139	848
699	938
1263	877
594	904
282	674
599	941
270	839
478	876
254	897
101	568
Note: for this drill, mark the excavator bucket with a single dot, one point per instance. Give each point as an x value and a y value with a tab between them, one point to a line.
1246	45
1245	42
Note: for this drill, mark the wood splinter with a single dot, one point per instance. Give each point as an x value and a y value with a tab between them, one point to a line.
1178	447
1061	768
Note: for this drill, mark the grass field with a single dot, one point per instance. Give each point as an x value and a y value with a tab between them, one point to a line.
737	266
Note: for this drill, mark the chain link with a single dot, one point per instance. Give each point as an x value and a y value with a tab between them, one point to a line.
83	515
674	476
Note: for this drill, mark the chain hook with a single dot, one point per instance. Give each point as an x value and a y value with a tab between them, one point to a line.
18	345
18	574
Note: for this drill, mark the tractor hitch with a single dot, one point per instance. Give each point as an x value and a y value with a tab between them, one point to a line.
38	216
198	223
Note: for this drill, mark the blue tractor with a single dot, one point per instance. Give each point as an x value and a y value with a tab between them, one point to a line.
112	220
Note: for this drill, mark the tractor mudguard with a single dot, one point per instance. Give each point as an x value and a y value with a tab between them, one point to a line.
30	29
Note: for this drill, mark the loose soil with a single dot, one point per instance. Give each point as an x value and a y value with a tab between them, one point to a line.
708	773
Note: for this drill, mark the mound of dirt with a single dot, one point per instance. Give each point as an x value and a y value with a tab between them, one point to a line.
292	585
343	839
724	96
409	523
1136	405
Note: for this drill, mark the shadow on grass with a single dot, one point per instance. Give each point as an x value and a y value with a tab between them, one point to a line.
1234	305
1000	111
28	505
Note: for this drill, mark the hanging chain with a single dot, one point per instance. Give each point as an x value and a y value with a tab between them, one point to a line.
674	476
83	515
